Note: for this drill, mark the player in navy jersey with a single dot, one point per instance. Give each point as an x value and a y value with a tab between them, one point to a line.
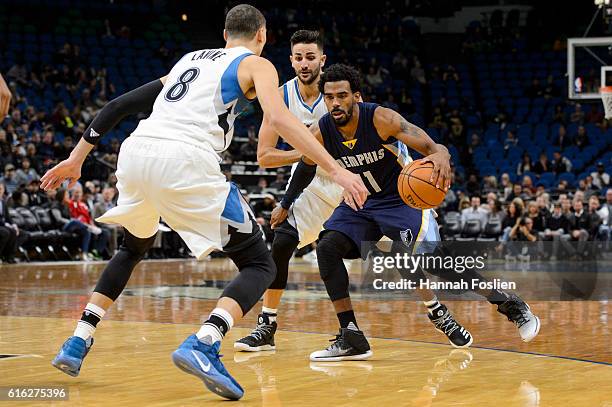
371	140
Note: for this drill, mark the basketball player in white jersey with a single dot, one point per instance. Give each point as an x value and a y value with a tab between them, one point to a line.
169	168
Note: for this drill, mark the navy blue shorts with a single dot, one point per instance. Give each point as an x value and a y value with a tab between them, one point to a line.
389	217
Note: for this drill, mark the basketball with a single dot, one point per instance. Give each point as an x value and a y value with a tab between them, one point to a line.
416	190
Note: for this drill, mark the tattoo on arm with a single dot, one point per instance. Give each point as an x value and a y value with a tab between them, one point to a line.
409	129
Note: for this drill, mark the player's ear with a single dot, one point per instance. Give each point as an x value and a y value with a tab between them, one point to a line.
261	34
357	96
225	34
323	59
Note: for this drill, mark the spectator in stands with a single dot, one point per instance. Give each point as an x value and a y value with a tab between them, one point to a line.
374	77
585	189
560	163
450	201
543	165
60	212
473	186
36	197
581	140
562	140
31	155
525	164
605	214
514	211
601	178
556	229
474	212
26	173
9	179
450	74
523	230
80	212
62	151
538	218
263	211
581	226
464	202
511	140
280	182
528	188
505	186
577	115
46	149
550	89
18	73
107	202
517	192
593	211
559	115
490	185
248	151
417	73
8	230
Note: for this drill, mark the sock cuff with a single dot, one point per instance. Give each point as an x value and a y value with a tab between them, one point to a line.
267	310
431	302
226	316
95	309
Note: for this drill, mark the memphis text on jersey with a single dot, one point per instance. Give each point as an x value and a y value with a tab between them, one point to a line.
358	160
424	283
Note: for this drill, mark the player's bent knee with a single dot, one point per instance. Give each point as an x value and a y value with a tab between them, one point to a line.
135	246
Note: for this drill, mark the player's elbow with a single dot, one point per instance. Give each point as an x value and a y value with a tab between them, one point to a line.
264	158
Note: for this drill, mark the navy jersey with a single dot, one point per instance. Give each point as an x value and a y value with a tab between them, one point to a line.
379	162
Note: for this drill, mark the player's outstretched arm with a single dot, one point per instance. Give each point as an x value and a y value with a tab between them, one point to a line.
265	80
268	155
5	98
389	123
135	101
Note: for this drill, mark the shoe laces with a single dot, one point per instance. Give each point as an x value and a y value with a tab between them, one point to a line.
337	342
517	313
446	323
261	330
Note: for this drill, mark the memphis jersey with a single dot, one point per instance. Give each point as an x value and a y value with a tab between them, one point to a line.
200	100
378	161
322	185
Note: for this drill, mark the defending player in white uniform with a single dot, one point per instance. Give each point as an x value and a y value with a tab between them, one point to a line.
170	168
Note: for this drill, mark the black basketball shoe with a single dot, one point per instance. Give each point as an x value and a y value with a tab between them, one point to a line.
445	323
349	344
262	337
518	312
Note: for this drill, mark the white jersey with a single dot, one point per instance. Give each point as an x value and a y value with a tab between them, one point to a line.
322	185
200	100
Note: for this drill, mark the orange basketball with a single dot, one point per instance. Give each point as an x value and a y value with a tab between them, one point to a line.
416	190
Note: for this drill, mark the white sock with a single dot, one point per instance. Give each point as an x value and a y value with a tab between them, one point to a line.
92	314
270	312
216	326
432	305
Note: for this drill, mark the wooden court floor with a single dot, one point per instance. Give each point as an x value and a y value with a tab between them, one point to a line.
568	364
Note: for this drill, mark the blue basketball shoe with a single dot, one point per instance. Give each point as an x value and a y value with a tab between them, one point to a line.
71	355
203	361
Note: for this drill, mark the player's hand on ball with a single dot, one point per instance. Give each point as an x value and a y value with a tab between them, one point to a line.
65	170
355	191
279	214
441	173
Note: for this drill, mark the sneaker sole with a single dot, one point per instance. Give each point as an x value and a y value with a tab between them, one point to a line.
361	356
467	345
213	380
63	366
537	331
243	347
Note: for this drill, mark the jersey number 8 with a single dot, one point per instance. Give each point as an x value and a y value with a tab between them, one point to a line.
180	88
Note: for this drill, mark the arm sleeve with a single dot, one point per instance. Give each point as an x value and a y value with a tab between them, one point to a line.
135	101
301	178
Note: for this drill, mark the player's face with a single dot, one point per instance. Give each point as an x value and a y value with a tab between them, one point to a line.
307	61
340	101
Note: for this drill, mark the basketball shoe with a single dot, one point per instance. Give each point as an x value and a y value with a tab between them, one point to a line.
262	337
349	344
71	355
518	312
445	323
202	360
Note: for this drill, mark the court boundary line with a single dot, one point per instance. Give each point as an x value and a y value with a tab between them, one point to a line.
371	337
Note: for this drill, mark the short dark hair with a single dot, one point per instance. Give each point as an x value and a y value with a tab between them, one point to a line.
243	21
341	72
307	37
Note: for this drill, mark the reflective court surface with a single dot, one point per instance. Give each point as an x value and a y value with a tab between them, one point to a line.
568	364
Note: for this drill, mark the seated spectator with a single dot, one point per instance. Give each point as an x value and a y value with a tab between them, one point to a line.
538	218
560	164
601	178
374	77
505	186
490	185
100	208
464	203
79	211
559	115
528	188
474	212
473	186
513	213
577	115
10	180
417	73
280	182
8	230
523	231
36	197
562	140
248	151
524	165
543	165
60	212
26	173
517	192
511	140
581	140
581	226
605	214
556	229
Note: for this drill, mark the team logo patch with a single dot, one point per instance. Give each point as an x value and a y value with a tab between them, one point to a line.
93	133
406	236
350	143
